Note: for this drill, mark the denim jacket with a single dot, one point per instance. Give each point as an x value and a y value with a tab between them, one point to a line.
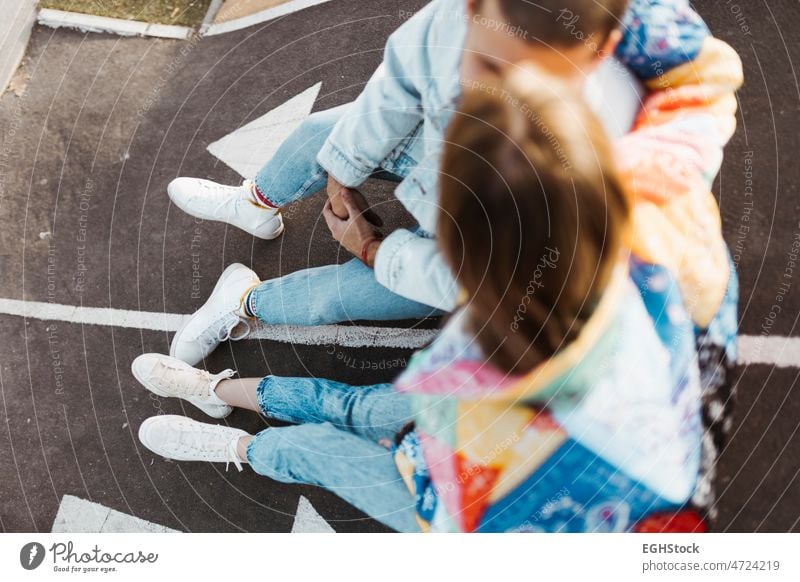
398	122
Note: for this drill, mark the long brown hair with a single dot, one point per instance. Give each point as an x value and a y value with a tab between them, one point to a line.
532	215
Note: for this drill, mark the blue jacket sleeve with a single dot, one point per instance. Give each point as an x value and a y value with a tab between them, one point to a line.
659	35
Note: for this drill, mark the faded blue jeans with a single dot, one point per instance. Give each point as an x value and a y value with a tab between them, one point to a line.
333	293
335	443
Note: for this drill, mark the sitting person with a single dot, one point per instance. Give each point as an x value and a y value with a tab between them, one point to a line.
564	394
395	129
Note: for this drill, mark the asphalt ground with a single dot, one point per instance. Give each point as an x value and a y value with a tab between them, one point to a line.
105	123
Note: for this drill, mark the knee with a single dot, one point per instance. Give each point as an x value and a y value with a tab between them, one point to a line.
284	454
267	454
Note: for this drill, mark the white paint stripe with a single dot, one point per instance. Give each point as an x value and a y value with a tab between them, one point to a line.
76	515
263	16
247	149
120	26
92	315
342	335
307	520
778	351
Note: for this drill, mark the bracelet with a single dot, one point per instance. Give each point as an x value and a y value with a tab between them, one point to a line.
365	249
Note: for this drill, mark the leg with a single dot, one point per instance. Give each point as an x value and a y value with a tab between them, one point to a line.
293	172
359	471
331	294
373	412
240	393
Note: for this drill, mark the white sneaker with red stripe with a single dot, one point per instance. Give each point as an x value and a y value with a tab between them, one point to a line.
234	205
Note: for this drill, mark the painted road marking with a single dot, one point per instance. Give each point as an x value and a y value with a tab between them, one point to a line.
341	335
307	520
247	149
76	515
263	16
778	351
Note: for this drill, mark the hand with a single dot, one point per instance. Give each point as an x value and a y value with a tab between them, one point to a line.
355	233
335	191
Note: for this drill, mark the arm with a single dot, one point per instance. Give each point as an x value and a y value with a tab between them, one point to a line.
405	262
669	162
659	35
412	266
389	108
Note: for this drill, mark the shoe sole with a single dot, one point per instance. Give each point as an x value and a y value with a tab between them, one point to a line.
212	410
225	274
188	211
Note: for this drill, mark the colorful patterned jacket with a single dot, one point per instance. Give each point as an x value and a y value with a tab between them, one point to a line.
606	434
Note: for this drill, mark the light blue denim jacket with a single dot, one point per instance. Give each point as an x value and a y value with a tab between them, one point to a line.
398	121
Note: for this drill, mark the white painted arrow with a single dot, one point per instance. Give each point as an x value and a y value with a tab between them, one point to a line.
251	146
307	520
76	515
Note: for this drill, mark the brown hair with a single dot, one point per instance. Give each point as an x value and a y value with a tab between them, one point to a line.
532	215
565	22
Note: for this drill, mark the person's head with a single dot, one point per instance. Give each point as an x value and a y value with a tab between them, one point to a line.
532	215
567	38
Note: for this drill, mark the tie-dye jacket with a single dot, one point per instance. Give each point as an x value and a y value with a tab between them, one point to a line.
607	434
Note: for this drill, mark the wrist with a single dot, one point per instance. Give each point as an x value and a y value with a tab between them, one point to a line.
370	250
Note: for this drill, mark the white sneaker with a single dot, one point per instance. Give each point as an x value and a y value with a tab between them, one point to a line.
184	439
170	377
215	321
232	204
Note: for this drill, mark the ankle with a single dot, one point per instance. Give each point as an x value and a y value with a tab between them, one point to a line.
258	198
247	304
215	394
240	445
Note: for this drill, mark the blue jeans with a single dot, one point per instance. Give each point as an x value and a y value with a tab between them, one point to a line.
335	443
333	293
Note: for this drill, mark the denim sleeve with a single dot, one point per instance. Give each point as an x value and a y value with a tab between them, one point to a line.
659	35
412	266
388	109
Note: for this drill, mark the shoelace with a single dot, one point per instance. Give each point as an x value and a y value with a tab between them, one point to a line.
225	331
225	199
224	334
195	383
213	446
178	377
234	456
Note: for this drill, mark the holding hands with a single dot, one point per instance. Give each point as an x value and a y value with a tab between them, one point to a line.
353	223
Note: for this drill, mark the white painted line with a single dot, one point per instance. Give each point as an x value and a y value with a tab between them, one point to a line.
247	149
92	315
263	16
76	515
778	351
307	520
349	336
341	335
120	26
